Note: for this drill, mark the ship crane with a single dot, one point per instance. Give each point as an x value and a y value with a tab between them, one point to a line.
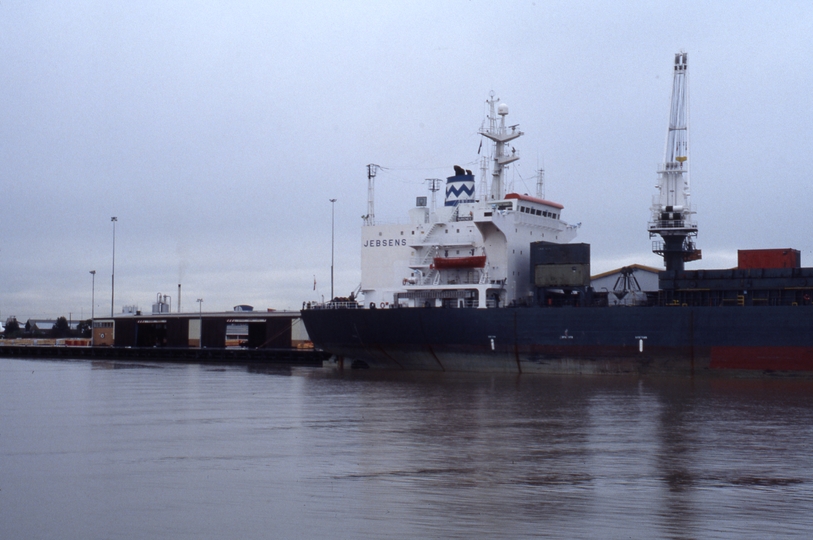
671	209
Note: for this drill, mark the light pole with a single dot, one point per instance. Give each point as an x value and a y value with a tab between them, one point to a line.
92	304
113	279
200	322
332	237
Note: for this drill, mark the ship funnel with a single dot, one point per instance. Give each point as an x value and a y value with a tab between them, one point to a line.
460	187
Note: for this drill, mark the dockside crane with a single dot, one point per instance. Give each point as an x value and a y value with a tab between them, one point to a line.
672	213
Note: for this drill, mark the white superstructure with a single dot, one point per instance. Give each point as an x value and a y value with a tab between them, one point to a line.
471	252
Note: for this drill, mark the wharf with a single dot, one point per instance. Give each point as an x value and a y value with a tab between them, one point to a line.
288	356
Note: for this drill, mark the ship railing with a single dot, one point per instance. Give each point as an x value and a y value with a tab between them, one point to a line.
430	278
425	278
332	305
462	281
734	302
434	278
426	259
424	241
672	224
394	221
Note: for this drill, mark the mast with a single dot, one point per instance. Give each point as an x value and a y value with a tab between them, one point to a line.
498	132
671	208
540	183
369	219
434	187
482	191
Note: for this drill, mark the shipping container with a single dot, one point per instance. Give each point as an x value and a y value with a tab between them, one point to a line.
550	253
562	275
769	258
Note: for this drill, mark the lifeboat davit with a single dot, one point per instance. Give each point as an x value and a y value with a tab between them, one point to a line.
478	261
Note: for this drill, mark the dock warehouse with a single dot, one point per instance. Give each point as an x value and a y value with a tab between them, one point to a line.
256	330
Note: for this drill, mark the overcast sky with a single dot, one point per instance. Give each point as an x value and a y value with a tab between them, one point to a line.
217	132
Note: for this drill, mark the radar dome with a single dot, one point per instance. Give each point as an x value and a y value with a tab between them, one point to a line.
502	109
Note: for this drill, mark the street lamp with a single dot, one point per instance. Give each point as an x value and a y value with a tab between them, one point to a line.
113	280
92	305
200	322
332	236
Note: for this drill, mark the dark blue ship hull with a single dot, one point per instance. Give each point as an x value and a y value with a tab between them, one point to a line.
688	340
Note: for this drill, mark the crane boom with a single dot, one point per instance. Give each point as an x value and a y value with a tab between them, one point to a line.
671	208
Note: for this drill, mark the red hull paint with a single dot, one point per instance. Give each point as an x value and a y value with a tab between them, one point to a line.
762	358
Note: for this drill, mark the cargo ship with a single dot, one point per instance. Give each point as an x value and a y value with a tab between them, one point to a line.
491	281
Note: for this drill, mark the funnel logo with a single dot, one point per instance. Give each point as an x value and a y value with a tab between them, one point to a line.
459	192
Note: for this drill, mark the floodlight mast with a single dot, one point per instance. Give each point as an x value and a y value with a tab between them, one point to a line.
369	219
671	207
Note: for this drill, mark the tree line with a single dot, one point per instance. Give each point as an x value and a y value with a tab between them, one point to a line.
61	329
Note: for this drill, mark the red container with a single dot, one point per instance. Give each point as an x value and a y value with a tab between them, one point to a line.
769	258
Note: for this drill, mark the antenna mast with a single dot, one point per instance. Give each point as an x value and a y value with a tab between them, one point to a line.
671	209
482	191
540	183
369	219
434	187
501	136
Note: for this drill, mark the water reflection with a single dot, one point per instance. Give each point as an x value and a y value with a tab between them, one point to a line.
226	451
615	456
270	369
114	364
